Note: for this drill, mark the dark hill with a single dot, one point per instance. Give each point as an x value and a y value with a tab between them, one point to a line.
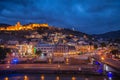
110	35
62	30
4	25
42	30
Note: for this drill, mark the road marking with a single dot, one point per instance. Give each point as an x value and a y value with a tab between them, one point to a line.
40	67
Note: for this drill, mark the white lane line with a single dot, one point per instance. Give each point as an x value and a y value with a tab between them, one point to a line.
40	67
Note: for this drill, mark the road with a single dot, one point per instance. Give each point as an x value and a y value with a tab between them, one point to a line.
109	61
47	67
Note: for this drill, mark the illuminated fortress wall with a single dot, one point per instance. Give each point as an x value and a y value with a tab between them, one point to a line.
18	26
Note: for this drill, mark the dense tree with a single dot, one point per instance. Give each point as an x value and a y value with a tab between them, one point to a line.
39	52
90	43
3	52
7	50
117	40
95	46
114	52
103	44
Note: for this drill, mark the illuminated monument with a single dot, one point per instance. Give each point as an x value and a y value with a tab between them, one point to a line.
18	26
25	49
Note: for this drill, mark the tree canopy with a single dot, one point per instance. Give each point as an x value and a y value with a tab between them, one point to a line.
3	52
39	52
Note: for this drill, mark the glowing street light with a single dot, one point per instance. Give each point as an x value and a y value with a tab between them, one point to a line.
26	77
67	60
102	58
42	77
58	78
58	65
73	78
6	78
50	60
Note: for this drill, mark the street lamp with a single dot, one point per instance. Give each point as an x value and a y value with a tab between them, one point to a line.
73	78
57	78
102	58
6	78
67	60
42	77
26	77
50	60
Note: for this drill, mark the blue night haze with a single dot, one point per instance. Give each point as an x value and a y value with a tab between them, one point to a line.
90	16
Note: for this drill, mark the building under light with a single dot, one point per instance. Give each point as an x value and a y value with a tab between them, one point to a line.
45	48
25	49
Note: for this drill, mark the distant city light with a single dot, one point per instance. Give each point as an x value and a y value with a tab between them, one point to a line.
58	78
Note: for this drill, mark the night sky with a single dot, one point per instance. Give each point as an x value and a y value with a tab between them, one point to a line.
89	16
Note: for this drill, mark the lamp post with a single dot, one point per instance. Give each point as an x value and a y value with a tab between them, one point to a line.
42	77
58	78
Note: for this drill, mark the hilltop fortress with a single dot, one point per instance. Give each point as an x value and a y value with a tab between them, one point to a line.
18	26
